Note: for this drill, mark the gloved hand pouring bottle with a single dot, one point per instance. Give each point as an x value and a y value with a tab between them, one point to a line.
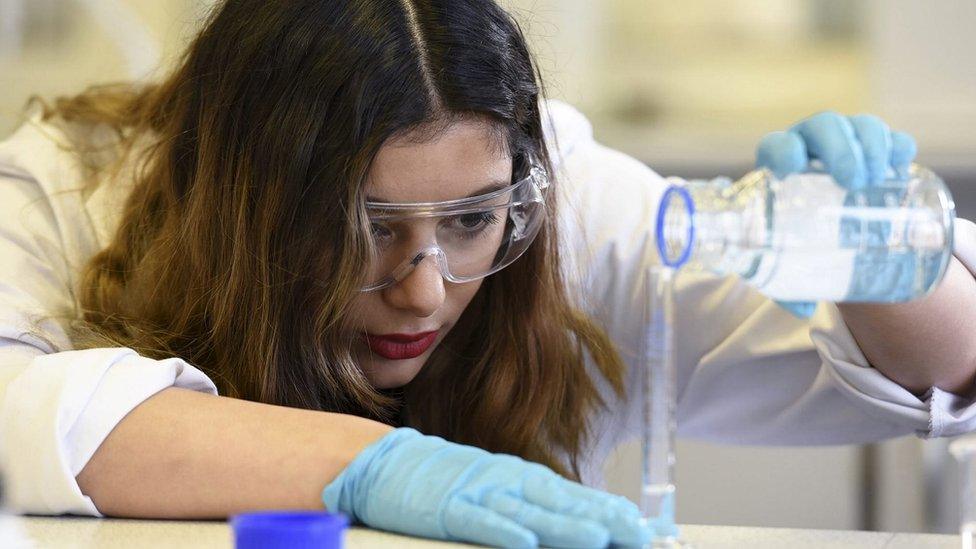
804	237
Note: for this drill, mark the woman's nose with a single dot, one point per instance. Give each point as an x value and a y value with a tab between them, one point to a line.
421	292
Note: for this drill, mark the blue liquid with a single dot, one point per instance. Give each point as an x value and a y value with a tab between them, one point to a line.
891	277
885	273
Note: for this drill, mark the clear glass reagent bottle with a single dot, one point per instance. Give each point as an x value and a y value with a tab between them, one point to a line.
806	238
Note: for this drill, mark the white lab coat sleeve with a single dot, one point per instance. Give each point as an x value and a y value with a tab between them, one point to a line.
937	413
964	243
56	405
748	371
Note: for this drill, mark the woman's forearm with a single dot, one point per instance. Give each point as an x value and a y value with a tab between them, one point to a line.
182	454
924	343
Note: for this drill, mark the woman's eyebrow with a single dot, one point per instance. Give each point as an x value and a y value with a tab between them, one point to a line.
496	185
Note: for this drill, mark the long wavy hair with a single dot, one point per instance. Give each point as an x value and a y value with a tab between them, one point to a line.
242	243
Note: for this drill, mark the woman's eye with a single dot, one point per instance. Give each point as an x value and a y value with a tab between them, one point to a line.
476	220
380	232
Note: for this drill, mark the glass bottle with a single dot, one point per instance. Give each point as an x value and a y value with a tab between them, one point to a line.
806	238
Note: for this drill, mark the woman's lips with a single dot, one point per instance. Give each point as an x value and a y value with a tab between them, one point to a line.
400	346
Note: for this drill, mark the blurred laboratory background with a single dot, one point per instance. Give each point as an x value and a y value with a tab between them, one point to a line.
688	88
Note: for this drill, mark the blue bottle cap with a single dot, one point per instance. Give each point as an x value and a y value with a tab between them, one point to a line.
289	529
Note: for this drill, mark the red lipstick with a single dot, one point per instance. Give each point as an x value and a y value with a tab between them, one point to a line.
400	346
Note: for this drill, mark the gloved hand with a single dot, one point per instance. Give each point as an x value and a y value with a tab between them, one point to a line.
856	150
425	486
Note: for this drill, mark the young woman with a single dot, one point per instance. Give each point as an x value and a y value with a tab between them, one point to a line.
240	288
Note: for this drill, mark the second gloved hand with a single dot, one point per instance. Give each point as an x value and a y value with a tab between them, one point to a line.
425	486
857	151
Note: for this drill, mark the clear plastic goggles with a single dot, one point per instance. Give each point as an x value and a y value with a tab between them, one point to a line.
467	238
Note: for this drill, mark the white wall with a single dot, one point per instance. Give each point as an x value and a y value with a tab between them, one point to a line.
924	74
775	487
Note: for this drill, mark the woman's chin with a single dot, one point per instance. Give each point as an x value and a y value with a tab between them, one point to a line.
391	374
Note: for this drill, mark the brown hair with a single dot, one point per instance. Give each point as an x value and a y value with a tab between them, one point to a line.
253	154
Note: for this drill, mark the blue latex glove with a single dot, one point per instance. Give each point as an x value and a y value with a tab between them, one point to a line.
855	150
425	486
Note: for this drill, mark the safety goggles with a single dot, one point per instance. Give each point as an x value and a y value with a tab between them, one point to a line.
468	238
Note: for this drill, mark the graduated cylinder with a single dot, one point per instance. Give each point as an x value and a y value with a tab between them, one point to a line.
806	238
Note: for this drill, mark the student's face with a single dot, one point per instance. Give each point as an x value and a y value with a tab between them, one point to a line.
456	163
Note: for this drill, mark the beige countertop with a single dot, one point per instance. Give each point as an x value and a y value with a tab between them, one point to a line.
82	533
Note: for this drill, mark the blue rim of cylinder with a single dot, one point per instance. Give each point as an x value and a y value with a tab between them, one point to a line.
318	529
669	195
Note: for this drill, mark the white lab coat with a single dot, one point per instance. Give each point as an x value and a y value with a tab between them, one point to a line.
748	371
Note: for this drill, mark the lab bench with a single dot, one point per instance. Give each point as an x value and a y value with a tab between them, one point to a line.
83	533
